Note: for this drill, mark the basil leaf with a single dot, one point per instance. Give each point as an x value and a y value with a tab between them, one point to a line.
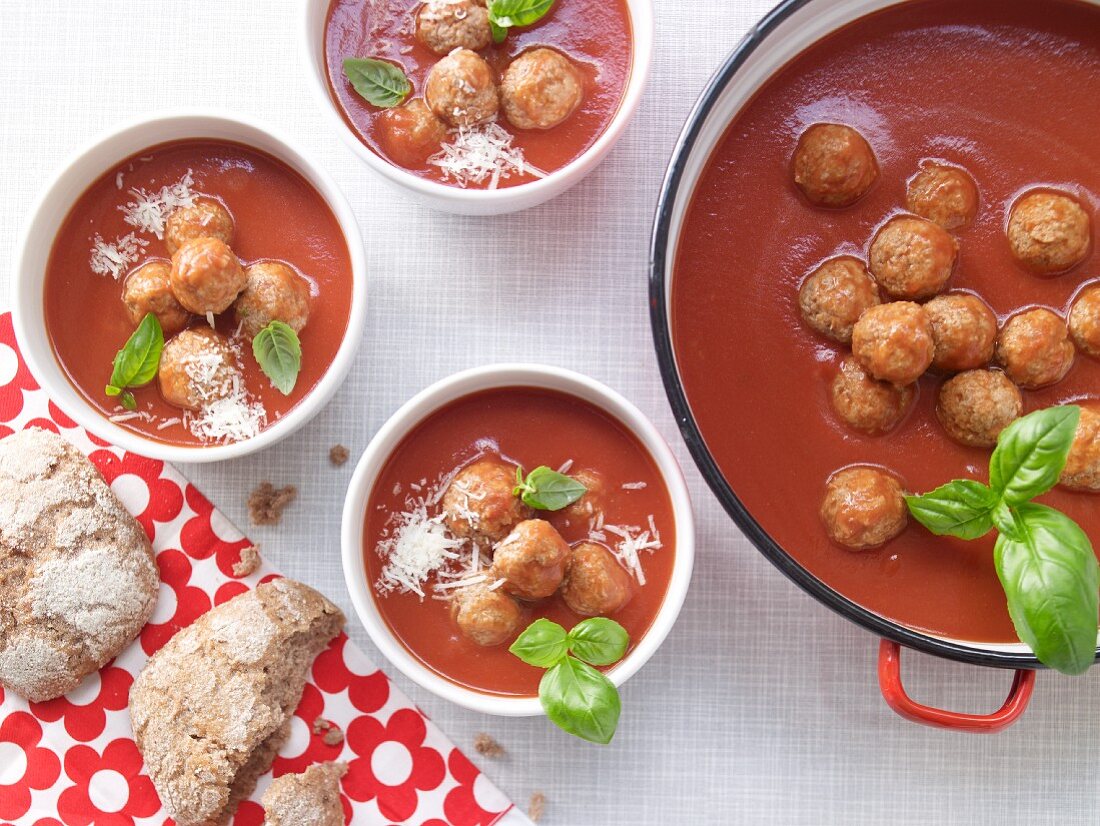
279	354
580	700
1004	518
960	508
1051	579
508	13
378	82
599	641
1031	453
137	362
499	32
547	490
542	644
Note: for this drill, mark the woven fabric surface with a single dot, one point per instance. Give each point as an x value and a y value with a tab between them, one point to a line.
762	706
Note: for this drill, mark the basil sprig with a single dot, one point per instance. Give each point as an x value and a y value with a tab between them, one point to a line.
577	698
136	364
506	14
378	82
279	354
1044	560
547	490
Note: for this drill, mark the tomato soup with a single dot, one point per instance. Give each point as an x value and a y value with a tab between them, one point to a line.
527	427
1003	89
277	215
595	36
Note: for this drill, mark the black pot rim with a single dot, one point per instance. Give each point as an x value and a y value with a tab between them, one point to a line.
662	338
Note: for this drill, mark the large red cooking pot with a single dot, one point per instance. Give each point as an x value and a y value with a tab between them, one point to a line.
1005	88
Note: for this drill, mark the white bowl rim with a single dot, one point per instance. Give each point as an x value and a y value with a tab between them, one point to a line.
457	386
295	158
642	27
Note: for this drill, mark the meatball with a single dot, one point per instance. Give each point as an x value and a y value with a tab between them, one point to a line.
462	90
976	405
893	342
584	510
273	291
945	195
1034	348
479	503
1082	470
834	296
833	165
206	218
445	25
531	560
867	404
964	331
186	378
540	89
1084	320
411	133
912	258
595	584
147	290
864	507
1049	232
485	617
206	276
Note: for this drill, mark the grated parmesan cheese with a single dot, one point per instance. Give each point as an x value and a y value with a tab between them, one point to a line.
415	547
149	211
632	540
476	154
634	486
115	259
226	413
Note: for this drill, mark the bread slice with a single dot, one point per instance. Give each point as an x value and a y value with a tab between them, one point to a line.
212	707
77	574
311	798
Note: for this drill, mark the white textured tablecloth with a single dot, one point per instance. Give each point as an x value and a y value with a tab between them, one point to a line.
762	706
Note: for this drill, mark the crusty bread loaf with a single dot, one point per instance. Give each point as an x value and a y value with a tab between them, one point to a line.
311	798
212	707
77	575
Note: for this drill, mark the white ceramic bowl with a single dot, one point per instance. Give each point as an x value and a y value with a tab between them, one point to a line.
54	205
482	201
440	394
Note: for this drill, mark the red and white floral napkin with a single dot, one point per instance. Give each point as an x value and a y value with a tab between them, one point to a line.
73	761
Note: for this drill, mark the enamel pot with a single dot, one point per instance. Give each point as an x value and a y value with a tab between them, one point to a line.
785	32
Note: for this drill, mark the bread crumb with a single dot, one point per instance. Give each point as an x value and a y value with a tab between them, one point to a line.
249	561
338	454
486	746
536	807
333	736
266	503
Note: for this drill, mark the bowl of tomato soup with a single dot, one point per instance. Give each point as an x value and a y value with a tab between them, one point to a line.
762	371
223	263
434	535
428	99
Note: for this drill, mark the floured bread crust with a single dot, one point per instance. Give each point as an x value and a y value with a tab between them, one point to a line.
311	798
212	707
77	575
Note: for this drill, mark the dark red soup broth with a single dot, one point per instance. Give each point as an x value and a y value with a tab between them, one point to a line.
277	215
533	427
1004	89
595	35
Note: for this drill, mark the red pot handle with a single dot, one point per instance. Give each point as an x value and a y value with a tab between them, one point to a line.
889	682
